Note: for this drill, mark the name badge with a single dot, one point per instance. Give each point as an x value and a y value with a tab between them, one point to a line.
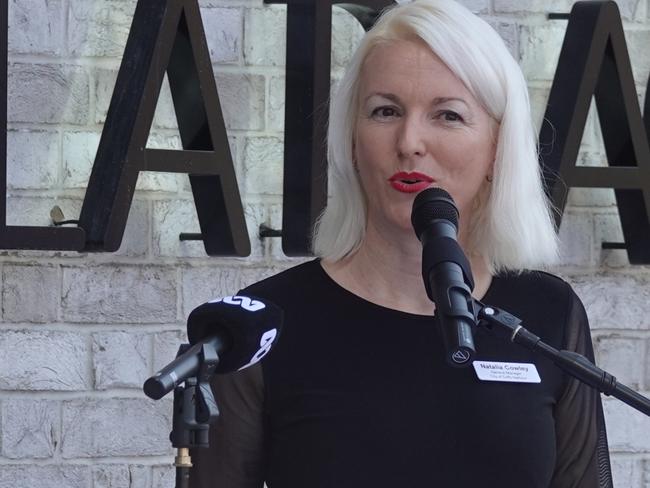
508	372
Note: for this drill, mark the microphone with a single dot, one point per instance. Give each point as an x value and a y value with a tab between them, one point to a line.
446	272
241	328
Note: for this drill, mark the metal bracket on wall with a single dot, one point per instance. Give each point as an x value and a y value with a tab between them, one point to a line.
594	63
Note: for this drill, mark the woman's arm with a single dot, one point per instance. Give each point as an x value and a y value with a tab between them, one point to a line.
582	452
235	458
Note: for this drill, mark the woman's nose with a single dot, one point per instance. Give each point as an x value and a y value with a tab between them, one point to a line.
411	140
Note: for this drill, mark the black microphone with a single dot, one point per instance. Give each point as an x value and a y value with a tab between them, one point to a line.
240	328
446	272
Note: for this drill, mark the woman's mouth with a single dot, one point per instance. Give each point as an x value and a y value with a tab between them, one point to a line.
410	182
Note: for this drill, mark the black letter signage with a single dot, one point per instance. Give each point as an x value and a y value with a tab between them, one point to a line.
594	61
165	35
309	31
14	236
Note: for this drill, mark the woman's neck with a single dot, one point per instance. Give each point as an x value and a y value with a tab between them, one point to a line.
389	273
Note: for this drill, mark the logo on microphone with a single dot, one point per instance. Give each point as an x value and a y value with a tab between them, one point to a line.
265	346
243	301
460	357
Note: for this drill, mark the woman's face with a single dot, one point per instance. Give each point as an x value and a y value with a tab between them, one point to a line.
417	126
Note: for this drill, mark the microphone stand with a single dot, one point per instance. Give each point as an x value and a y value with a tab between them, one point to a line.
194	409
507	326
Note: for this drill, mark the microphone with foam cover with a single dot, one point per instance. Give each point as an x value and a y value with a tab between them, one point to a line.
446	272
240	328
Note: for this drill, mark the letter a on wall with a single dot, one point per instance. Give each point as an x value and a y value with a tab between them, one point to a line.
166	36
594	61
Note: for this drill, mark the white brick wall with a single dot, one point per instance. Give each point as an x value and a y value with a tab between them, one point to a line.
80	332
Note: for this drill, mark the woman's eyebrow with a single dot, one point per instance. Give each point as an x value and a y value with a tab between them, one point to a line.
436	101
390	96
441	100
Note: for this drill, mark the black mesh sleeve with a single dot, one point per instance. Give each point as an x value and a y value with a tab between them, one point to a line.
582	452
235	458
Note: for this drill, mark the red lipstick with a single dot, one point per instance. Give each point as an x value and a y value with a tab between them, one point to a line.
410	182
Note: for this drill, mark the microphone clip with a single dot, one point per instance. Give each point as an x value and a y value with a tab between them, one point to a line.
194	404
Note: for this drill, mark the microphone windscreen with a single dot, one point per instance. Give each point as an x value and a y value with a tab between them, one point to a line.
432	204
248	325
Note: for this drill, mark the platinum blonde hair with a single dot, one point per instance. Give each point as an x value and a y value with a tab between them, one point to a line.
512	226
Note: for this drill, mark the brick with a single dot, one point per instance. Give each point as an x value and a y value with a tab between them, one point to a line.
35	211
532	6
242	100
136	240
346	36
539	48
139	476
265	35
120	359
104	82
201	284
591	197
49	476
29	428
36	27
79	150
44	361
170	219
647	367
627	429
30	293
161	181
626	471
223	32
276	107
165	347
111	476
622	356
576	239
256	214
163	475
99	29
476	6
47	93
32	159
231	3
509	32
628	8
110	427
637	42
608	229
615	301
165	115
263	165
124	294
163	141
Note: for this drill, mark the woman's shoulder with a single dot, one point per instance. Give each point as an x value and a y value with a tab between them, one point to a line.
535	293
288	282
537	282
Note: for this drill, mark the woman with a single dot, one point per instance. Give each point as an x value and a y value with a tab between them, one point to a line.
356	393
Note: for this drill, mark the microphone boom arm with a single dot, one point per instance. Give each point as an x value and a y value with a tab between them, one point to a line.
507	326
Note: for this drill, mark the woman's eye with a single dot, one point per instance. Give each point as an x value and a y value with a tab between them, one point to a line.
450	116
384	112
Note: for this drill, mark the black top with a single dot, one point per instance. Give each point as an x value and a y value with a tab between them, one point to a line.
358	395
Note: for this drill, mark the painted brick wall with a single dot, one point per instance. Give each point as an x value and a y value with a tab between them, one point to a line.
80	332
